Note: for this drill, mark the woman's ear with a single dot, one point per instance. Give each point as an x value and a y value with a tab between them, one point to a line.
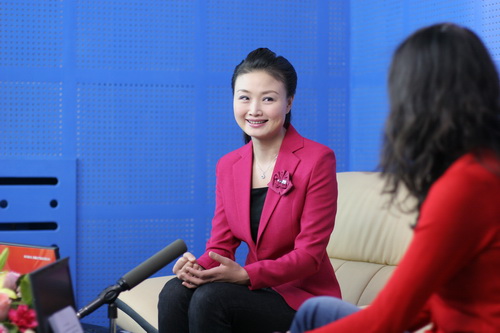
289	104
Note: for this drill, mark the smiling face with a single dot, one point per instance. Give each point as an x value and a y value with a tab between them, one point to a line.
260	105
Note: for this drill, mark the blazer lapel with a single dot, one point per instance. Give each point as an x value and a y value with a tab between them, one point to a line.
288	161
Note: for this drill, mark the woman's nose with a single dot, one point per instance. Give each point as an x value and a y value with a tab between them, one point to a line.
254	108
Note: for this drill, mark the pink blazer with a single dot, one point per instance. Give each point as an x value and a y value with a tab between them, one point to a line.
290	252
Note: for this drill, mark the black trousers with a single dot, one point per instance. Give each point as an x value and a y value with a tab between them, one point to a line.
221	307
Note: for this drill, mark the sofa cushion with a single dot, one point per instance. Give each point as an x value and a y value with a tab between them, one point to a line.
360	281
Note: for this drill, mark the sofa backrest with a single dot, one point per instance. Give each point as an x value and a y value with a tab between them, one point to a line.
370	236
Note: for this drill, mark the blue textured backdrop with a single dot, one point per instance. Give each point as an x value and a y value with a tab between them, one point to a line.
138	94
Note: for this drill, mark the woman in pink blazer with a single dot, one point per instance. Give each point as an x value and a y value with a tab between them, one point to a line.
278	194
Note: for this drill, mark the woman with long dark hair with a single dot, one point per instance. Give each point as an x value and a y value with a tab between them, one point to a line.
441	141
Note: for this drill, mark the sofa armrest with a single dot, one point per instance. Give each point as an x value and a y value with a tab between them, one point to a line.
137	308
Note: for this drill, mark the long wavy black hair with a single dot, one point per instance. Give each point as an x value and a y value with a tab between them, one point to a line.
276	66
444	94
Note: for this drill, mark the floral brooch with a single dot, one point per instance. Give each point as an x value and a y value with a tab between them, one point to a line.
281	182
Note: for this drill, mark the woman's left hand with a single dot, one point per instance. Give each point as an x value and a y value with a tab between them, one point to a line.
227	271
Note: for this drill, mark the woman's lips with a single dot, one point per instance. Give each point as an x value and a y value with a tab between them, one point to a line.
256	123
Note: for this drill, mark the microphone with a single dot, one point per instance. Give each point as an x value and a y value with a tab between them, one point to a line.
153	264
136	276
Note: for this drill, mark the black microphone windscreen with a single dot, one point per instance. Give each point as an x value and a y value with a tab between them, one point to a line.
154	264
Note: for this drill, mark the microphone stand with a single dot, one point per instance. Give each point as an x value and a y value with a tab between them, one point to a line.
112	315
131	279
109	296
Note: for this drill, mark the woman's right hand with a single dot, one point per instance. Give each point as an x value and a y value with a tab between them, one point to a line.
187	260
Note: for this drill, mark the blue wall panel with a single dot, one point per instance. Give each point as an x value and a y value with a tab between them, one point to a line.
38	204
376	28
138	93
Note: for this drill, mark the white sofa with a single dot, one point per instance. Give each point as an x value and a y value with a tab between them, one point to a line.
367	243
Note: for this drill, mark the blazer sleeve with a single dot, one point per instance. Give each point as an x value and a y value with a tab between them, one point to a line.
315	224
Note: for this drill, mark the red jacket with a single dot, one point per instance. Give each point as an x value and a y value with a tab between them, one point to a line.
290	252
450	274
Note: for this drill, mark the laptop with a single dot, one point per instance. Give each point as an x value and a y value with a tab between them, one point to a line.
25	258
52	290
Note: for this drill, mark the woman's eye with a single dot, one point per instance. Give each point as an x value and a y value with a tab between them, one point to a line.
243	98
268	99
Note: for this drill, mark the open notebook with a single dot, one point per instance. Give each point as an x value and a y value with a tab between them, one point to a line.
24	258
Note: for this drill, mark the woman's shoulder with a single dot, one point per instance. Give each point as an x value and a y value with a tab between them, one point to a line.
317	146
236	154
470	175
305	145
467	192
475	167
